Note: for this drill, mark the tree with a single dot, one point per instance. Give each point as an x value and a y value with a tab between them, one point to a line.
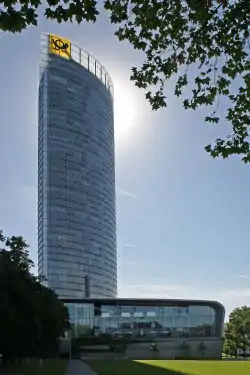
179	38
31	316
229	348
237	332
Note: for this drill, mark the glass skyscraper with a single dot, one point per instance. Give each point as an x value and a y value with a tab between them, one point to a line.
76	173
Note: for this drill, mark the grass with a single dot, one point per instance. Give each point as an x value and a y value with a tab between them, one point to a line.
49	367
126	367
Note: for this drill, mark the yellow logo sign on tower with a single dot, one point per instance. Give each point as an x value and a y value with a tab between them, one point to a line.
59	46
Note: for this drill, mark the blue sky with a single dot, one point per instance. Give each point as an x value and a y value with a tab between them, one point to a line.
182	217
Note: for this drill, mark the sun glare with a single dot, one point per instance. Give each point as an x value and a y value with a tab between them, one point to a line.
125	108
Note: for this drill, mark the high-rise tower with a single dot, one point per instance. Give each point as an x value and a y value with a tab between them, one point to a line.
76	173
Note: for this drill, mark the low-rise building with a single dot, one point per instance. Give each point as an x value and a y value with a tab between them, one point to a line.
149	328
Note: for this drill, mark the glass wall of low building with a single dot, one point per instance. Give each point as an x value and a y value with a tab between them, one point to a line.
145	321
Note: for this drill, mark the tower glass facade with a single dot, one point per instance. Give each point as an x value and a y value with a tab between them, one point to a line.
76	173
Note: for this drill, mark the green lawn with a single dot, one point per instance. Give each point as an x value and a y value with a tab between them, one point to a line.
171	367
49	367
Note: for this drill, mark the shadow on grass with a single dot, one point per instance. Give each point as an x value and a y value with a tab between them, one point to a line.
129	367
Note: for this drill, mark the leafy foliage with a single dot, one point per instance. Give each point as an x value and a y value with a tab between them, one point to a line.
179	39
31	316
230	348
17	15
237	332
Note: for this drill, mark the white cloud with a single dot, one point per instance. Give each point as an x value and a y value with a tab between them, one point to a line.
130	262
127	193
130	246
230	298
235	297
247	277
150	291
